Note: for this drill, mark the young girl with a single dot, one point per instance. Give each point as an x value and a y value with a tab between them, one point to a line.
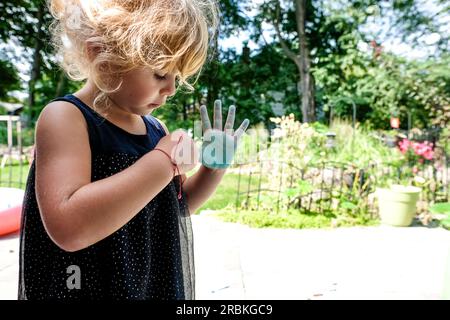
107	203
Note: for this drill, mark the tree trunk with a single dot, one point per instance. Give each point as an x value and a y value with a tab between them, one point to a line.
305	85
36	65
213	88
61	86
306	80
185	110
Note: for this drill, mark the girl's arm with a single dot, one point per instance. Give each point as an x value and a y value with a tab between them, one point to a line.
201	186
75	211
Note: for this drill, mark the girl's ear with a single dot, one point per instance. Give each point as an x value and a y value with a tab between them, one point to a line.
92	50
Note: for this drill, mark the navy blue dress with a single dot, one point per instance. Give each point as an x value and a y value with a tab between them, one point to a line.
150	257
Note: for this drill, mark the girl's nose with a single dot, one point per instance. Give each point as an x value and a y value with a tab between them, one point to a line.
169	87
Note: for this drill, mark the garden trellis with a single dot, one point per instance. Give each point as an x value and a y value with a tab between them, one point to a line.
14	156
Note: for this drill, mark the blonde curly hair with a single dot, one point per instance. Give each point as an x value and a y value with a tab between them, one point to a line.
166	35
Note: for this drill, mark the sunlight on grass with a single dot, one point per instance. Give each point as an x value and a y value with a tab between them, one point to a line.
225	194
14	176
292	219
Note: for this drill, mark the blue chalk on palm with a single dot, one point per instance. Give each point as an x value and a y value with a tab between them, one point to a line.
218	149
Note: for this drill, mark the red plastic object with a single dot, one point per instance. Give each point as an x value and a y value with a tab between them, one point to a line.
10	220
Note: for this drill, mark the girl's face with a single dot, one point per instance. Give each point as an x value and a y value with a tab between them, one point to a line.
143	90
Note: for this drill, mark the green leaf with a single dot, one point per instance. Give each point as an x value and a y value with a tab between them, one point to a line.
292	192
440	208
445	223
305	187
348	205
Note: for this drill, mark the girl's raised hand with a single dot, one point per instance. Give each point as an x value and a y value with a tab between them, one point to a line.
219	145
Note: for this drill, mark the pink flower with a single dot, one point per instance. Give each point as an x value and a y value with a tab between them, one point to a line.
404	145
428	155
416	151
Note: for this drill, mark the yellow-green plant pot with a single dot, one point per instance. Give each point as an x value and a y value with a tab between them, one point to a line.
397	205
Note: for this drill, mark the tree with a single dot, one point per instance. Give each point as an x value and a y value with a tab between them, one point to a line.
294	43
27	25
340	64
233	19
38	44
302	60
305	32
9	80
414	19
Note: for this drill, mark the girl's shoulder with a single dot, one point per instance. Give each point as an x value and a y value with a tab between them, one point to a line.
61	127
61	116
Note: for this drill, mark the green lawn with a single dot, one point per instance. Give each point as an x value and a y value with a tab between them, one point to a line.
293	219
225	194
14	176
224	199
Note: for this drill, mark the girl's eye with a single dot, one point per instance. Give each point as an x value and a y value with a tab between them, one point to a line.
158	77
